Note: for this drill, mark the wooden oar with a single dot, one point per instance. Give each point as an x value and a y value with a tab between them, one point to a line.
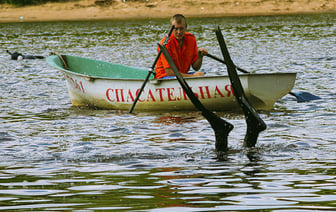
301	96
151	71
254	123
221	127
222	61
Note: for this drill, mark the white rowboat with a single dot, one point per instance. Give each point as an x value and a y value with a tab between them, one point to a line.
112	86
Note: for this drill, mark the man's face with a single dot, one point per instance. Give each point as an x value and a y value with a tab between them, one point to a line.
179	30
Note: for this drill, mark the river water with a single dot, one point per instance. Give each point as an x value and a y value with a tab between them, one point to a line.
55	157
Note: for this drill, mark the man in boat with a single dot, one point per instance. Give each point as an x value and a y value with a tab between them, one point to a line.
183	49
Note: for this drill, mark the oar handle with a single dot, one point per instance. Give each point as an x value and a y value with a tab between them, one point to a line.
222	61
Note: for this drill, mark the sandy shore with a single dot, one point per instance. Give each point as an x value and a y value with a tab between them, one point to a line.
146	9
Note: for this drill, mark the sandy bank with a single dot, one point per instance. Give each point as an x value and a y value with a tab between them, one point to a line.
146	9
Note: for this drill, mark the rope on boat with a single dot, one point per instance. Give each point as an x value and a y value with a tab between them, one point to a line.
63	59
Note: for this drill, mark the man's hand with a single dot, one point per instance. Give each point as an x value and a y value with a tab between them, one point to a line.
198	74
202	52
198	63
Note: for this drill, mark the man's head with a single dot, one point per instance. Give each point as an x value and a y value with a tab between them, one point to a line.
180	24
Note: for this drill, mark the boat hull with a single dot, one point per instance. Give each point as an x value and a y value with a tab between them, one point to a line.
215	92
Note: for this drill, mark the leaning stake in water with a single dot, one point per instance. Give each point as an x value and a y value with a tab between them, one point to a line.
221	127
254	123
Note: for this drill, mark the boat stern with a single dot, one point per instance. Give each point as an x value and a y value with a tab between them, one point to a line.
265	89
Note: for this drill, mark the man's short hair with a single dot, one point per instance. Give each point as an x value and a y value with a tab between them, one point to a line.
179	18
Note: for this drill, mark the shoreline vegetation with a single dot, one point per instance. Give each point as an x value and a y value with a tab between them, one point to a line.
86	10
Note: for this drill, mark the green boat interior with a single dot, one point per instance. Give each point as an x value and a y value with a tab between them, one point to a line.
95	68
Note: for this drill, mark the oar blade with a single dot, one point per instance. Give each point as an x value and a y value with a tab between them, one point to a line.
303	96
254	123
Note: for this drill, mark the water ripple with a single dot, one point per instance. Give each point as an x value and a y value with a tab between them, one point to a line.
78	158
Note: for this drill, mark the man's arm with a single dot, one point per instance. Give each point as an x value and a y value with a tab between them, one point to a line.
198	63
